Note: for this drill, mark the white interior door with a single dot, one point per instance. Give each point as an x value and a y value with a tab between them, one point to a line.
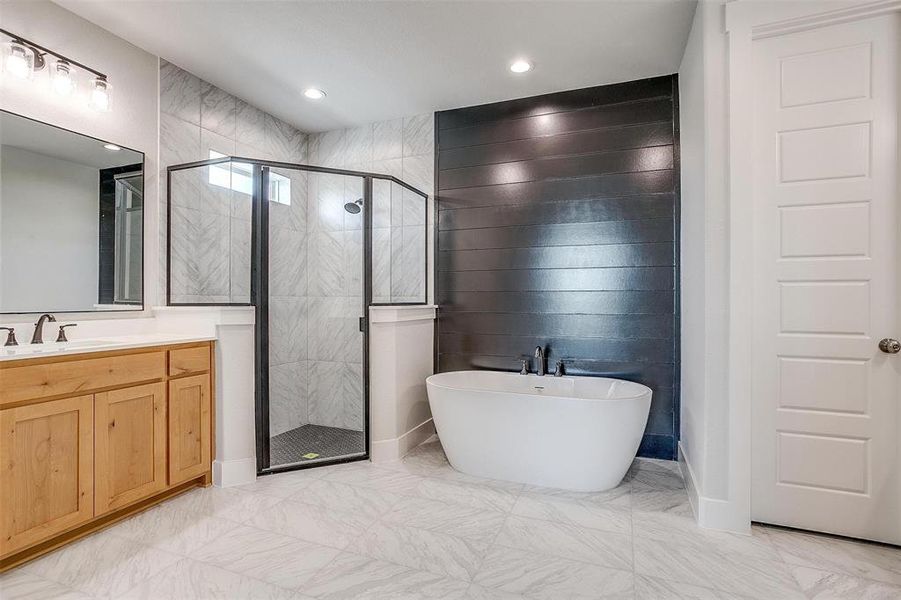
826	412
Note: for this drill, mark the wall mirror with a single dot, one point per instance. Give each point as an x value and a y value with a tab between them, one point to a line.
71	221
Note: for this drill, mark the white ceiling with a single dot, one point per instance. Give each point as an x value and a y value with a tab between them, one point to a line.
382	60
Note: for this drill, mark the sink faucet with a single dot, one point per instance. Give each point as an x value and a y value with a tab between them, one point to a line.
38	337
539	354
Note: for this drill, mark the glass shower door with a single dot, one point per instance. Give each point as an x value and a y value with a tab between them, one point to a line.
314	304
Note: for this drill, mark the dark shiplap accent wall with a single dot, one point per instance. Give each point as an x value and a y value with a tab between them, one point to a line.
558	226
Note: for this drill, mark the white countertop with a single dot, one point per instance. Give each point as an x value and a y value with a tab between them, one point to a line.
100	344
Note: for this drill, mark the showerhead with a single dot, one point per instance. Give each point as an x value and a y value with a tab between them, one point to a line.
354	207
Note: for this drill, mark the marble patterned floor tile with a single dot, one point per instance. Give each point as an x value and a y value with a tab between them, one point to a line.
368	476
475	524
20	585
708	567
173	530
665	500
191	580
272	557
282	485
102	565
477	592
232	503
823	585
655	475
607	517
652	588
859	559
312	523
566	541
423	550
620	495
355	577
546	577
467	493
665	526
334	495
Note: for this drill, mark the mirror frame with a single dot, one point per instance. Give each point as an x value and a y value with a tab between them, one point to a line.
134	308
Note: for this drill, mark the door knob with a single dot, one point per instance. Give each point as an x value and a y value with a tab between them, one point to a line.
890	346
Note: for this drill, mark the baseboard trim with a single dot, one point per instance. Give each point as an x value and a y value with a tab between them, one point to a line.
228	473
397	448
710	513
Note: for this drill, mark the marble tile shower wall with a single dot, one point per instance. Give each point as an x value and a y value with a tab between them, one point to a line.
211	224
403	148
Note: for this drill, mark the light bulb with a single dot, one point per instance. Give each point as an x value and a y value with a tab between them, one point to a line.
100	94
521	66
63	82
314	94
19	60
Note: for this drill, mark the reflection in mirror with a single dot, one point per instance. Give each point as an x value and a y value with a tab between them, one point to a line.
71	221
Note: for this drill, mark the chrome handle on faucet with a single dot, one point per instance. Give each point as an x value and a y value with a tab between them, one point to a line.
525	366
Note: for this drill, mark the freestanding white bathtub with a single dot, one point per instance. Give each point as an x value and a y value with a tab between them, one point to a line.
574	433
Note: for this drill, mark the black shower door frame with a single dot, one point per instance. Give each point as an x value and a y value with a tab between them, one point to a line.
259	289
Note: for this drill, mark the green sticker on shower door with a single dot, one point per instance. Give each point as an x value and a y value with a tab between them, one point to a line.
310	455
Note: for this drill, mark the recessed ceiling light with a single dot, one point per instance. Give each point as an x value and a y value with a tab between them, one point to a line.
112	147
520	66
314	94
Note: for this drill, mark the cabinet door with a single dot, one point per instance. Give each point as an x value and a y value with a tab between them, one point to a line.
46	470
189	428
129	445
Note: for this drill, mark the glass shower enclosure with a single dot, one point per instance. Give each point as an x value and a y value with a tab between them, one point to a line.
311	248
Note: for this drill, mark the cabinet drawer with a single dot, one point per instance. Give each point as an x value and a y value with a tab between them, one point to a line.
189	360
36	381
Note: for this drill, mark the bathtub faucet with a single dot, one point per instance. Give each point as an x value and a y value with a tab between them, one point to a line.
542	367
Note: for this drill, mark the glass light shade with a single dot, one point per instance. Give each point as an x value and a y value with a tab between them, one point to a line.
18	60
101	94
63	78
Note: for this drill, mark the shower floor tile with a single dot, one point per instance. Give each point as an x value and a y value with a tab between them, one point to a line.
326	442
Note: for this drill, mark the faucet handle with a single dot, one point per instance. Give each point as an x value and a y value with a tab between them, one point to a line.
62	332
10	336
559	371
525	366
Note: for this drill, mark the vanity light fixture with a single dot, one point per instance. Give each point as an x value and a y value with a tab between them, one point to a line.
18	60
314	93
520	66
63	78
112	147
23	58
101	92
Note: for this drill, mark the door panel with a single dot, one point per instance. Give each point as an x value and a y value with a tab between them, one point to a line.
46	478
826	400
189	428
130	445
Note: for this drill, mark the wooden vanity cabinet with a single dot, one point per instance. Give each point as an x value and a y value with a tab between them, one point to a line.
88	439
47	476
129	445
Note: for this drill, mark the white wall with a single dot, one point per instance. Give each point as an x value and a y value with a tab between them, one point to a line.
132	122
57	268
704	257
